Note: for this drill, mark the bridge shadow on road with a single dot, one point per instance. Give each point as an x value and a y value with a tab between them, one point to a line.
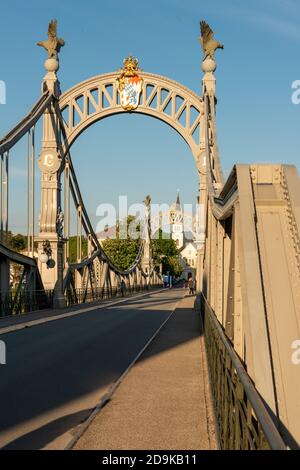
56	364
41	436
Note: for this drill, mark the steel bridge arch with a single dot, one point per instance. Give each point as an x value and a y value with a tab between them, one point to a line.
162	98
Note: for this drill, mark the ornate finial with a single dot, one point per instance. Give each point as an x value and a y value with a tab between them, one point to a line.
147	200
209	46
130	66
52	45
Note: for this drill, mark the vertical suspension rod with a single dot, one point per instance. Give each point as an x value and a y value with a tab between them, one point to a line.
2	196
28	192
32	187
67	208
7	195
79	233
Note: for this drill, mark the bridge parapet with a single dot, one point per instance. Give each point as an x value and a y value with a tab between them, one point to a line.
252	278
243	419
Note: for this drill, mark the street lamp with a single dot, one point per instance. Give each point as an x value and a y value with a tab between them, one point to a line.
46	255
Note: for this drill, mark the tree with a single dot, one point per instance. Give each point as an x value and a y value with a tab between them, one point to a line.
163	245
123	251
73	248
165	252
18	242
172	266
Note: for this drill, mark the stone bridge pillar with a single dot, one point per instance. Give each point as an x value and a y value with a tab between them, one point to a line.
146	257
208	89
50	240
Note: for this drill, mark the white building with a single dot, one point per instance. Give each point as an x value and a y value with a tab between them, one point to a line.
188	259
176	223
184	240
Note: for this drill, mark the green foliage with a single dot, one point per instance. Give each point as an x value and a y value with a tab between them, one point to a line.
18	242
165	251
123	252
14	242
172	266
163	245
73	248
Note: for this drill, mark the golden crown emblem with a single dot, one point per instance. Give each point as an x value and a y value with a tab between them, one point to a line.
130	66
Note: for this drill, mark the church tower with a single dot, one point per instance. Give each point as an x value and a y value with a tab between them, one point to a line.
176	223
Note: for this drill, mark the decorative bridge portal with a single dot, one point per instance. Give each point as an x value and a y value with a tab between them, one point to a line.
248	271
164	99
95	99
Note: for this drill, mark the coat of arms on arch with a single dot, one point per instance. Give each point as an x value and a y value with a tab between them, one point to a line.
130	84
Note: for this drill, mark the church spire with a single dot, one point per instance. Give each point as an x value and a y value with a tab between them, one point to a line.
178	199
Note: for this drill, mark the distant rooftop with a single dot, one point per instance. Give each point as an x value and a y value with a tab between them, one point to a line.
108	232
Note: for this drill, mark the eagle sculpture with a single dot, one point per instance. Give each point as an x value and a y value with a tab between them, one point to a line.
147	200
53	43
209	44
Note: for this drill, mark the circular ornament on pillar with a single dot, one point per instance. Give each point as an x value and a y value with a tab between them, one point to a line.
49	161
51	65
43	258
209	65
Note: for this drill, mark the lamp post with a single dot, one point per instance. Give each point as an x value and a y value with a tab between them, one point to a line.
46	255
161	264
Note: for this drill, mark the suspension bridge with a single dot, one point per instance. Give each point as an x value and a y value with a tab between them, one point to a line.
248	263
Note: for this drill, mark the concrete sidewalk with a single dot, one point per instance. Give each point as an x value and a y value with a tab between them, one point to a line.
164	402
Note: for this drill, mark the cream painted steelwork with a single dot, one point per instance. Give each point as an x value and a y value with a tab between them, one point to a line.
248	263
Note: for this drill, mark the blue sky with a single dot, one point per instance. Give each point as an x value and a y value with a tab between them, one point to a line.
255	116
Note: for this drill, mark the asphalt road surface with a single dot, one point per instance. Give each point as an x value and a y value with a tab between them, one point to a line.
57	372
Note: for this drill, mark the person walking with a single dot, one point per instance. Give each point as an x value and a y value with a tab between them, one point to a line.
191	286
122	288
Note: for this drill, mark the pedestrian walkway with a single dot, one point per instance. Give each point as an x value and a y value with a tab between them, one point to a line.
164	402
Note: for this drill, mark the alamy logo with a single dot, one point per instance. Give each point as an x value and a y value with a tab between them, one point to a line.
296	353
2	92
296	93
2	353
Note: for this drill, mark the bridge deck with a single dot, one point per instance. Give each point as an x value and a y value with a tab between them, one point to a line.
57	371
164	402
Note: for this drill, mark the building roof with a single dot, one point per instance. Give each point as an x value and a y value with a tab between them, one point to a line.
176	206
189	245
108	232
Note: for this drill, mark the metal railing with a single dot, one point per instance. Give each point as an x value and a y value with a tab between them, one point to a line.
18	303
80	296
242	417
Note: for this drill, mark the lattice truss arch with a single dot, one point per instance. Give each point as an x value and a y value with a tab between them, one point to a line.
161	97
